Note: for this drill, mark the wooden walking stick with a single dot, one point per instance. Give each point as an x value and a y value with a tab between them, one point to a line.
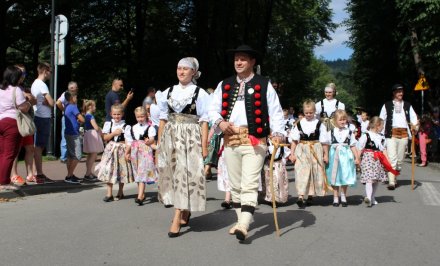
276	145
413	154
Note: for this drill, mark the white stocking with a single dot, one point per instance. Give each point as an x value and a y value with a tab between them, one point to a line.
369	190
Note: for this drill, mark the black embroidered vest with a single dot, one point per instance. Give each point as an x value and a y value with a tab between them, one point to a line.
346	141
141	136
324	114
121	137
255	100
312	136
370	145
389	107
191	108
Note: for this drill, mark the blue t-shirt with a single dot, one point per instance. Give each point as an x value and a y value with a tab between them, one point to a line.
70	115
87	124
110	99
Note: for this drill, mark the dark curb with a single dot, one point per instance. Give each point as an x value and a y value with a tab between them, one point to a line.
32	190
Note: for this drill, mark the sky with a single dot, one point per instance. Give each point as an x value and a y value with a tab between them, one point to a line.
335	49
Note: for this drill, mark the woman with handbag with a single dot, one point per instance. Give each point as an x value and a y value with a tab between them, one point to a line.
12	102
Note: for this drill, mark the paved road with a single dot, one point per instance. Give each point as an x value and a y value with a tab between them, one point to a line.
76	228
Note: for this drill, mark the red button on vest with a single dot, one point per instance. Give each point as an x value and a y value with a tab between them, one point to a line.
224	113
258	120
258	112
257	96
257	87
258	103
225	104
225	95
259	130
227	87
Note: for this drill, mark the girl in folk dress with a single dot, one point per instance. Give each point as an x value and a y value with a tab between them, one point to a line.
374	161
92	141
223	177
280	178
183	135
139	148
341	170
308	155
114	168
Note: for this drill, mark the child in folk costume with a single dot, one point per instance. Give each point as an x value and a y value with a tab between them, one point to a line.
140	143
343	156
114	168
223	178
374	161
92	141
280	178
308	155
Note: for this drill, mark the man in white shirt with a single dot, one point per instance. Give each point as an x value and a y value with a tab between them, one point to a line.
326	107
42	118
61	103
399	118
241	106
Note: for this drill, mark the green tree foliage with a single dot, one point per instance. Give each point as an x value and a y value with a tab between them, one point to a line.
141	41
383	54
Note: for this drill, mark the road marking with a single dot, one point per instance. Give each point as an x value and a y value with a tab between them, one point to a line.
430	195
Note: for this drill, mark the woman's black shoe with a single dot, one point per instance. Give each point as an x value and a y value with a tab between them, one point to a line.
186	221
173	235
344	204
108	199
335	204
226	204
309	201
300	202
140	202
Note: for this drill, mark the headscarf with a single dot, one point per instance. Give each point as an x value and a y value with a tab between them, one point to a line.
192	63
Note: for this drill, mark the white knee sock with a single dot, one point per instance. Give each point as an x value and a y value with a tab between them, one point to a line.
343	198
238	212
335	199
245	219
369	190
373	200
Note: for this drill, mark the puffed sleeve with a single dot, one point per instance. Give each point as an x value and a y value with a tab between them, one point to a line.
318	109
277	124
203	101
341	106
325	137
215	106
353	140
323	134
152	132
106	128
294	134
161	99
361	142
127	135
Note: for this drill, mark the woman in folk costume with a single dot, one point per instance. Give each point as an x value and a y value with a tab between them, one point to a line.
183	135
309	156
374	159
326	108
341	170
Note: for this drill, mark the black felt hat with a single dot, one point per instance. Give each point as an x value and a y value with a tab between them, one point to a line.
397	87
245	49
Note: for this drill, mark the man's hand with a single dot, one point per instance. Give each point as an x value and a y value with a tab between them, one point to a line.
30	98
130	95
227	127
292	158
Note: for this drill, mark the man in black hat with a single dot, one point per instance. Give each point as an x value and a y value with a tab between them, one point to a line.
240	108
399	118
